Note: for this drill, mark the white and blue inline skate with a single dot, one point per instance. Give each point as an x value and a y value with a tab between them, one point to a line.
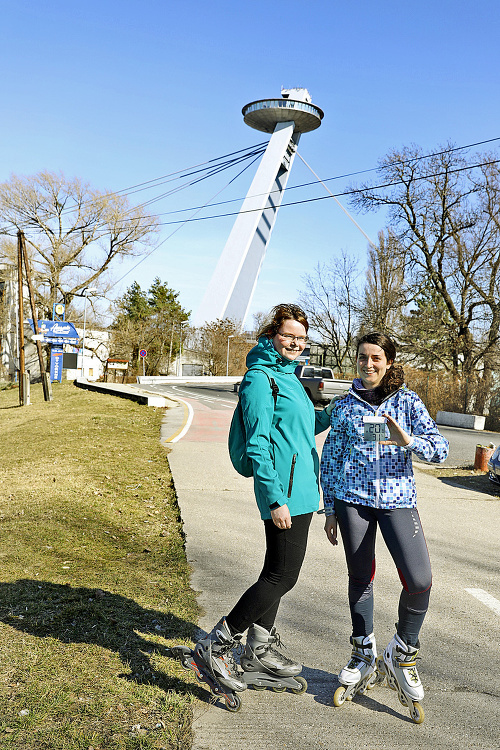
400	667
361	672
265	667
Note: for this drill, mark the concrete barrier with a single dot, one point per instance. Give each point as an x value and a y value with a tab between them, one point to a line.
454	419
123	391
192	379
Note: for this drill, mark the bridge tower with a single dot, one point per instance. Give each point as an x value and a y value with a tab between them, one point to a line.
230	290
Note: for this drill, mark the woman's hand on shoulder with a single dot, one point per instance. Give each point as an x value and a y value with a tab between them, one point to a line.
281	517
398	436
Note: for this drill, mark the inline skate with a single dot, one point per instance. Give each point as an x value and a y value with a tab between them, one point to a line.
360	673
213	662
399	664
264	666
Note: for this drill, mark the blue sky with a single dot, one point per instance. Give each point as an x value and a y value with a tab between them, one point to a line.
118	92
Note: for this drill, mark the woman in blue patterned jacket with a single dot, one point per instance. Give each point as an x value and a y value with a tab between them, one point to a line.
367	480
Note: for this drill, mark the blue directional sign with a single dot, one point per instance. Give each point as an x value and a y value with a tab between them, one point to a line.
57	331
56	363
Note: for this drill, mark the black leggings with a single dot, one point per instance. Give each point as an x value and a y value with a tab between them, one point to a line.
285	551
404	537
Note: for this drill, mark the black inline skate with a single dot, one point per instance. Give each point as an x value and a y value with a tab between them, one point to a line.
212	661
265	667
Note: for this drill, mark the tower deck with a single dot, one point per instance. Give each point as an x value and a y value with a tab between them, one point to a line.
265	114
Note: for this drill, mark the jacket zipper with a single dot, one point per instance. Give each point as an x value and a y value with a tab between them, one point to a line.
377	467
292	470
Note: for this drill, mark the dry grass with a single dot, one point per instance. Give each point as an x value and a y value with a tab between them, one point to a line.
94	580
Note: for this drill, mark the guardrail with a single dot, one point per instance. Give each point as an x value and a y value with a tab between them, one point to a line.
454	419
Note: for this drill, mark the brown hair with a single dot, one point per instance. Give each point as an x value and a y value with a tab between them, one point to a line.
394	378
277	317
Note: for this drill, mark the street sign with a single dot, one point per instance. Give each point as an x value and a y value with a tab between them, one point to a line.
117	364
58	311
56	331
56	363
142	353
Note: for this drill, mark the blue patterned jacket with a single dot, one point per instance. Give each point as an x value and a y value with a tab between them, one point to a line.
368	473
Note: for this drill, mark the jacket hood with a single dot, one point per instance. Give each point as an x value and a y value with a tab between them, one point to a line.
265	355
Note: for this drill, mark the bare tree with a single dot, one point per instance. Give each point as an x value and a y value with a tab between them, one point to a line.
385	291
331	301
222	347
73	232
445	217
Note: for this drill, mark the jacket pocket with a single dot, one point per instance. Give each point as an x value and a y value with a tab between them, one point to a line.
292	471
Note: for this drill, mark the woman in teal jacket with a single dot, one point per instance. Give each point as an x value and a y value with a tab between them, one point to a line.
280	442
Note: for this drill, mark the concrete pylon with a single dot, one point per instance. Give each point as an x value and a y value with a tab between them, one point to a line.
232	285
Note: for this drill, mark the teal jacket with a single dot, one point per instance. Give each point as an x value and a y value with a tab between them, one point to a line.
280	440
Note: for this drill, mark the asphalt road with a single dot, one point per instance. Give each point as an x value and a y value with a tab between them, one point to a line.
462	442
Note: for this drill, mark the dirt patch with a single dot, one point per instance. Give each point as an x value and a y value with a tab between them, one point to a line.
467	477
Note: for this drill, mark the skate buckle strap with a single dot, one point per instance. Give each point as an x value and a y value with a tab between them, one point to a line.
407	664
359	656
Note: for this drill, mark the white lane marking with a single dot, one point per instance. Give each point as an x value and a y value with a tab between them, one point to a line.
486	598
201	397
188	421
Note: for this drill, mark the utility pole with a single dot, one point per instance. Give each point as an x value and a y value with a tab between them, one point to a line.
24	382
47	390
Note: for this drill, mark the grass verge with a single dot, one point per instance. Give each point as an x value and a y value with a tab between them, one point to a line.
94	582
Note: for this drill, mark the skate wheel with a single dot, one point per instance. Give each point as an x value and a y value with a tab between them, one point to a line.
233	704
302	688
417	713
339	696
279	689
259	687
186	663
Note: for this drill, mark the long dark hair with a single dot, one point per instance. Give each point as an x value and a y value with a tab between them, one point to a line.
394	378
277	317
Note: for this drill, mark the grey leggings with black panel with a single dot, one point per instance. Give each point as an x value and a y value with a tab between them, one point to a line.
404	537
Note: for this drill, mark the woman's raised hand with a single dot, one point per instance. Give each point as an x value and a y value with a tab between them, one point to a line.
398	435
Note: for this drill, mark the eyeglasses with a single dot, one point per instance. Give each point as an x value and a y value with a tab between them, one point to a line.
291	337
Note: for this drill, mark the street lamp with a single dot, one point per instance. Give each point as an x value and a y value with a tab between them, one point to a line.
85	293
182	323
232	336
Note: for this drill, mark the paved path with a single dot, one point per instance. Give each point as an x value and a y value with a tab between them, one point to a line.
460	666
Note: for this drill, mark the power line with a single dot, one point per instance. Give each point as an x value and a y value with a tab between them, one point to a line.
256	152
330	179
336	195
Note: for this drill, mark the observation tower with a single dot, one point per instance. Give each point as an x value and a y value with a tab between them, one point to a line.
230	290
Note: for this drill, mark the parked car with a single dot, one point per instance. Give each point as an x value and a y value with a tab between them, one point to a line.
320	383
494	466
